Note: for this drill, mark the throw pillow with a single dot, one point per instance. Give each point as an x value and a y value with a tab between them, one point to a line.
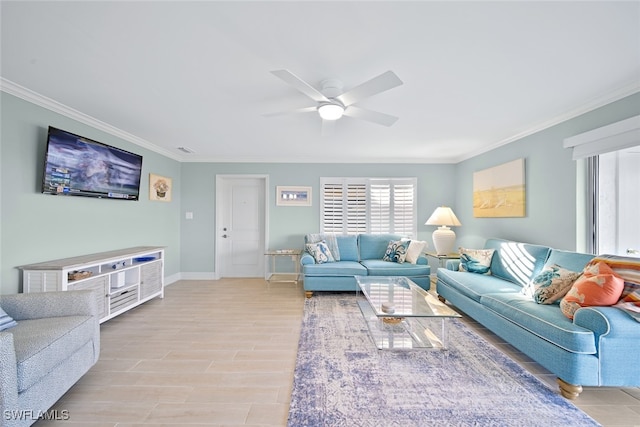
415	249
6	321
631	304
396	251
598	286
551	284
320	252
476	260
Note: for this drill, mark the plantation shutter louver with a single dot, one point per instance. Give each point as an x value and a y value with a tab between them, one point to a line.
369	205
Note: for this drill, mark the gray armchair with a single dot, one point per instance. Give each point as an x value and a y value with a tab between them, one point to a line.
56	341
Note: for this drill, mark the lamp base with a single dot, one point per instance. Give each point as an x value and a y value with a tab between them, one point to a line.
443	240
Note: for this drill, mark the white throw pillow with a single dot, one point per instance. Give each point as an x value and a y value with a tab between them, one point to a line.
415	249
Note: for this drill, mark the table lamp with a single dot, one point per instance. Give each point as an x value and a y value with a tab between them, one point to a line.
443	238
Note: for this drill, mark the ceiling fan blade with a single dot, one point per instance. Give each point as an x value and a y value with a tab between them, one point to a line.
383	82
295	81
372	116
297	110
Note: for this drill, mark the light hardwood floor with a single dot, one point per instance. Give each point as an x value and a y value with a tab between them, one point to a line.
222	353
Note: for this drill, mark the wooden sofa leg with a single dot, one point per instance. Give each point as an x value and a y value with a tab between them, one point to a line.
442	299
308	294
570	391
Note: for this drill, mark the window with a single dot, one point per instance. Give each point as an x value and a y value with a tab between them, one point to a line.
615	202
369	205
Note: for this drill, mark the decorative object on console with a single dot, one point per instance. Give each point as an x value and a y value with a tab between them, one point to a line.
444	238
159	188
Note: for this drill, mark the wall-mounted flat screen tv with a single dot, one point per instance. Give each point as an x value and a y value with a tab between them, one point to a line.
79	166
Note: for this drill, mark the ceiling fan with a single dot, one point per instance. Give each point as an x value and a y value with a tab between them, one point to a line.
332	103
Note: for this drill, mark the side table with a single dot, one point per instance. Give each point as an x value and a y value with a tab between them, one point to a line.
442	262
294	255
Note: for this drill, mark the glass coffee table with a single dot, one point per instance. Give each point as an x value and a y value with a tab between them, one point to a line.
401	315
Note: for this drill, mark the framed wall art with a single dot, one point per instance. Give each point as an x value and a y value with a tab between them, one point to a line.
293	196
160	188
500	191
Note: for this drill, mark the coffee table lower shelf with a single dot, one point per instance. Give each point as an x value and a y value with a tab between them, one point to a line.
398	333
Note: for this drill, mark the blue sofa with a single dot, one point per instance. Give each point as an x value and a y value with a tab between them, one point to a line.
359	255
55	342
598	348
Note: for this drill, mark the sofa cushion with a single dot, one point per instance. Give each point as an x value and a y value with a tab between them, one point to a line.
378	267
545	321
574	261
374	246
339	268
396	251
330	240
348	246
475	285
42	344
476	260
320	252
517	262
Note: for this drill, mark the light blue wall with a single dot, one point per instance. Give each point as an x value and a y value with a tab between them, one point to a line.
551	204
288	225
35	227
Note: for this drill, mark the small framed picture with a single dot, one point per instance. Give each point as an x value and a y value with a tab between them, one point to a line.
293	196
160	188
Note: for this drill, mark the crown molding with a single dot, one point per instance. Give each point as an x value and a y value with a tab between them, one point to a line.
595	103
28	95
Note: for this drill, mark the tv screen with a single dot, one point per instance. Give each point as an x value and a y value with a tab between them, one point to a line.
78	166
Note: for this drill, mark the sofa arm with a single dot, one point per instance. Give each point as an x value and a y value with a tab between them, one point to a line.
8	374
616	336
453	264
422	260
306	258
40	305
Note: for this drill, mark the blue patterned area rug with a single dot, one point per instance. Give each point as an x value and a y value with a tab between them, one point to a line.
341	379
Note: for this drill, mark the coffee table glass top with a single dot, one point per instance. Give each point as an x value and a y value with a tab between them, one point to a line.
393	296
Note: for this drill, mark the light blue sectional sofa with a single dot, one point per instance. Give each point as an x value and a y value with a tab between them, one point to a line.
598	348
359	255
56	341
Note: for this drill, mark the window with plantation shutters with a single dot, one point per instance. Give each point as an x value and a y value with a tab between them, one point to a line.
368	205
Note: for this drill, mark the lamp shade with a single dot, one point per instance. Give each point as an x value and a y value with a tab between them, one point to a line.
444	238
443	215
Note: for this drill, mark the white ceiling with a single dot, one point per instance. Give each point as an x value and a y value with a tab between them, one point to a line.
197	74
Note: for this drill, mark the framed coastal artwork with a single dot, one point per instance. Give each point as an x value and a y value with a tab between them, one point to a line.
160	188
499	191
293	196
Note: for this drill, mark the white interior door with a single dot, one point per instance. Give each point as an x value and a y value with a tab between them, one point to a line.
240	226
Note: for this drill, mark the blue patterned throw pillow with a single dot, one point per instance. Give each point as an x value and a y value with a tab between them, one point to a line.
476	260
6	321
396	251
320	252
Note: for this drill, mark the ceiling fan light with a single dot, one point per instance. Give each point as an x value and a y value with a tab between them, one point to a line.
330	111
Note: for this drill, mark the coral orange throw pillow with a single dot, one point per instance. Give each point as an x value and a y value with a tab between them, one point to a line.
598	286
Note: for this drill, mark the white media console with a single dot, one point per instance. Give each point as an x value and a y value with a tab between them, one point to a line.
124	278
